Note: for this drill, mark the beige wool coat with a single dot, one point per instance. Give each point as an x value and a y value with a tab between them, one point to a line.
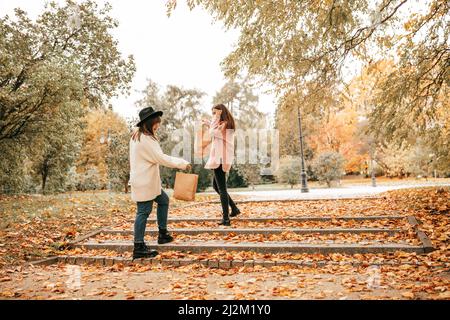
145	157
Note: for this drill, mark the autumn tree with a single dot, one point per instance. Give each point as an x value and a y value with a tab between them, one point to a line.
291	44
67	57
40	58
103	159
239	97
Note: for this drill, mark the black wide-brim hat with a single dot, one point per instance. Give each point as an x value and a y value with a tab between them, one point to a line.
146	113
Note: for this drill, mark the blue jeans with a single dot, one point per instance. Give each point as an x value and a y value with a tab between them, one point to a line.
143	211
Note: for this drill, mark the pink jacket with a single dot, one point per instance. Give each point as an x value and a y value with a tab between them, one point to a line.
222	146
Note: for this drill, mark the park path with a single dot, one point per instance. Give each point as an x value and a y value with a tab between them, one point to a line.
356	191
200	282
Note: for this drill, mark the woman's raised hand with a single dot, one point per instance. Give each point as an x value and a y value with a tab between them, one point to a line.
188	167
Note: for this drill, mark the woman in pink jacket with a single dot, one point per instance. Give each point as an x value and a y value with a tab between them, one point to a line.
221	156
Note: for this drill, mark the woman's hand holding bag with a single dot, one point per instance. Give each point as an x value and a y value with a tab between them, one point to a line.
185	185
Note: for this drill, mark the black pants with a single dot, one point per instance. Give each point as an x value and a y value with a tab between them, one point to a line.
220	185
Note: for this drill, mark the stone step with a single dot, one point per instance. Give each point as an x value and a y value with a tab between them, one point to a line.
265	231
273	247
212	263
298	218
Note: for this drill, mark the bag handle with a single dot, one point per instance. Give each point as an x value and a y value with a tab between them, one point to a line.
188	170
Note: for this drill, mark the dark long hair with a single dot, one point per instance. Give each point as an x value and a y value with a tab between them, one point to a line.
147	128
226	116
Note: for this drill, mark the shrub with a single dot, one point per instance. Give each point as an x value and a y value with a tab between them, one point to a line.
328	167
289	170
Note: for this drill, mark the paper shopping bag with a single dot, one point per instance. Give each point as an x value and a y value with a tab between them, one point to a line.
185	186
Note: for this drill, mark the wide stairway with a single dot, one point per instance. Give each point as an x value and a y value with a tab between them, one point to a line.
265	233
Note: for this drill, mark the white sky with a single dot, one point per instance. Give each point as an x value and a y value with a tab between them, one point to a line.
185	49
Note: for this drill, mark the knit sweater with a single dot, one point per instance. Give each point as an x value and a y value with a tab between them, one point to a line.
145	157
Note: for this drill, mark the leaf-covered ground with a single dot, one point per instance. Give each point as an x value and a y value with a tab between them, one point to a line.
33	227
36	226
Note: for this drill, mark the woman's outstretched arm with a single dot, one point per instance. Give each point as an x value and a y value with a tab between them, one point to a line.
153	153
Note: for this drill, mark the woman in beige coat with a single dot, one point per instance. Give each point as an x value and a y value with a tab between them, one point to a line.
145	157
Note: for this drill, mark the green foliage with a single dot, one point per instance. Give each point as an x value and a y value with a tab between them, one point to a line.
89	180
45	62
240	99
328	167
250	172
118	161
289	170
13	170
235	179
205	177
51	70
56	148
305	48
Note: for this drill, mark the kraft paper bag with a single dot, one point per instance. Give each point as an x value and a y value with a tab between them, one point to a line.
185	186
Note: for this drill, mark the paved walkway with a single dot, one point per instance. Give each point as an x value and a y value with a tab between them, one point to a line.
326	193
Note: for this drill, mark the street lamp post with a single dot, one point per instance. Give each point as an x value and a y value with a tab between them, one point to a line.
374	182
303	173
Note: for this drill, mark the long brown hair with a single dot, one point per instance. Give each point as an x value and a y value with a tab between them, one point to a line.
226	116
146	128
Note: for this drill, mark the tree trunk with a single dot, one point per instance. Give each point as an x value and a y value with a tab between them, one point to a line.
44	180
44	174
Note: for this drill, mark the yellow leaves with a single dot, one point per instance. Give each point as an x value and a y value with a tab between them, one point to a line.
5	279
444	295
98	292
283	291
407	25
408	295
176	286
110	294
7	294
320	295
198	282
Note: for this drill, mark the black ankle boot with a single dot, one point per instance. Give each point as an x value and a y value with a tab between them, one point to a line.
235	213
142	251
164	236
225	221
